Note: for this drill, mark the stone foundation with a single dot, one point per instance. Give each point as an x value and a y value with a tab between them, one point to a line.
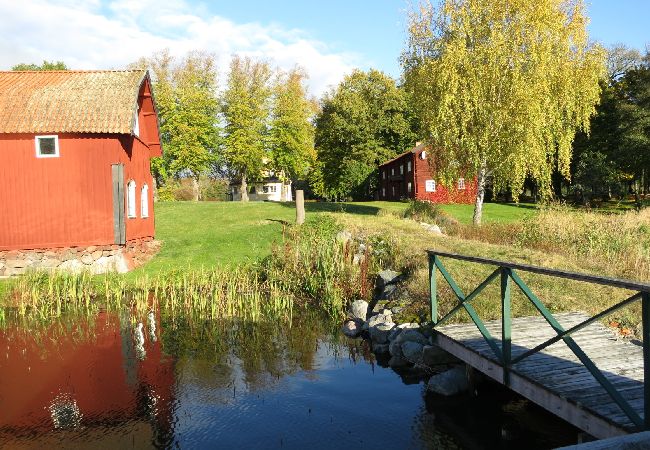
96	258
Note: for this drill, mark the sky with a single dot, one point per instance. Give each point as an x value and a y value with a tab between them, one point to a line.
329	38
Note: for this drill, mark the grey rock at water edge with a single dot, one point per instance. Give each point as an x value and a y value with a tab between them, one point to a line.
433	355
394	333
388	292
380	318
411	335
450	382
408	326
397	309
358	309
397	361
352	328
395	349
387	277
379	333
412	351
433	228
380	348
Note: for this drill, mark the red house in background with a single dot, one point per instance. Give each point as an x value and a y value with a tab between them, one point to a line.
409	176
75	150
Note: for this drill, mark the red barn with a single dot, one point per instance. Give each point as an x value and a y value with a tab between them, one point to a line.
75	179
409	176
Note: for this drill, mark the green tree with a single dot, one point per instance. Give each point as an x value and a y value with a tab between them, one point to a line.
187	105
292	132
47	65
501	87
364	122
246	107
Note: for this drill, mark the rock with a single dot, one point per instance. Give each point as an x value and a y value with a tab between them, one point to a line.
104	264
411	335
380	318
96	255
87	259
408	325
394	333
412	351
17	263
433	355
431	227
50	263
388	292
121	263
72	266
379	348
9	271
395	349
386	277
379	333
386	312
358	258
352	327
397	361
450	382
397	309
362	249
358	309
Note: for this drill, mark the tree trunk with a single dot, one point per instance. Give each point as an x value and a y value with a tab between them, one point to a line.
480	195
244	188
283	191
196	194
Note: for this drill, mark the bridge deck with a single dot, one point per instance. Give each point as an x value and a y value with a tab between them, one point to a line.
554	378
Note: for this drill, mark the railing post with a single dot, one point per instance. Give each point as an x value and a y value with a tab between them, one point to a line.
505	324
433	288
645	320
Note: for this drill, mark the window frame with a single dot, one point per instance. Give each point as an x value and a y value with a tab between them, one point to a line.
408	166
401	169
409	187
144	201
383	192
430	186
131	209
37	146
461	184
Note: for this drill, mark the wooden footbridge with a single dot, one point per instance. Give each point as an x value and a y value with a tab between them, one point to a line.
568	363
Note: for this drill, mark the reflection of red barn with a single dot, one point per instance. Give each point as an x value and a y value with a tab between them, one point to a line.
409	176
75	148
42	381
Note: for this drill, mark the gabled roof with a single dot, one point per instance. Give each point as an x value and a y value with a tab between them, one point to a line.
417	149
68	101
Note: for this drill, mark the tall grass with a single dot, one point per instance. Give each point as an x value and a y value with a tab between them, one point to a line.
310	269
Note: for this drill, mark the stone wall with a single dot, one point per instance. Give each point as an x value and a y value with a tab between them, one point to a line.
96	259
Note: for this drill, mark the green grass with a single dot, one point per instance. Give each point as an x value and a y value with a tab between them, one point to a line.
492	212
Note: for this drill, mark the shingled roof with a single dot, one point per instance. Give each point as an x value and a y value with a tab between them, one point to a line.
69	101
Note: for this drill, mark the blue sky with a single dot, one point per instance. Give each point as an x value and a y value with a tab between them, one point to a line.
328	37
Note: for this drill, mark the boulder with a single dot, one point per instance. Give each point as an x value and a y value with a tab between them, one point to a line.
352	328
433	228
411	335
388	292
412	351
379	348
358	309
17	263
394	333
409	325
397	309
104	264
397	361
450	382
395	349
96	255
433	355
50	263
379	333
72	266
87	259
380	318
387	277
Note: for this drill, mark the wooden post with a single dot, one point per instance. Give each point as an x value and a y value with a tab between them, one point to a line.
300	207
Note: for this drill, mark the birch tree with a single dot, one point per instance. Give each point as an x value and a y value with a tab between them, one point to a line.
501	87
246	108
292	132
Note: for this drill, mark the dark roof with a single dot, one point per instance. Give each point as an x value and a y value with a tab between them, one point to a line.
417	149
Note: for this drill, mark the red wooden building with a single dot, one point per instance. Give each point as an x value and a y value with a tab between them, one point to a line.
75	150
409	176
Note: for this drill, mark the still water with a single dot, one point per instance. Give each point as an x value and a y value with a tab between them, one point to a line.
111	381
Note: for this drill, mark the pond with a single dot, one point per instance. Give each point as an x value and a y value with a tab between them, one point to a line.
165	381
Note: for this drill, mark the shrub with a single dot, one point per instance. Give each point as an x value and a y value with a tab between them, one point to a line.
424	211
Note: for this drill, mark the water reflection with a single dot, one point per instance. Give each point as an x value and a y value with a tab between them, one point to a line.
163	381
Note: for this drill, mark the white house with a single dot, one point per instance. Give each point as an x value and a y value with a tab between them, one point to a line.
269	189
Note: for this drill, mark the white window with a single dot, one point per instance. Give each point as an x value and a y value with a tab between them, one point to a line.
144	201
383	192
409	187
392	171
270	189
393	191
461	184
47	146
383	174
130	199
430	185
408	166
136	122
401	169
423	155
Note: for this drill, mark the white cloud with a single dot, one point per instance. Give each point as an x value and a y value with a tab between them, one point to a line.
93	35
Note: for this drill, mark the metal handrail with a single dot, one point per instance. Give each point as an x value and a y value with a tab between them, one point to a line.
506	272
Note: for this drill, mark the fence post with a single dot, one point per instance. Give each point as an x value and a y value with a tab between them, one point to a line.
645	320
300	207
506	342
433	288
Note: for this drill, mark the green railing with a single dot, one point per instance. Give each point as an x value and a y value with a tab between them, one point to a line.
506	273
